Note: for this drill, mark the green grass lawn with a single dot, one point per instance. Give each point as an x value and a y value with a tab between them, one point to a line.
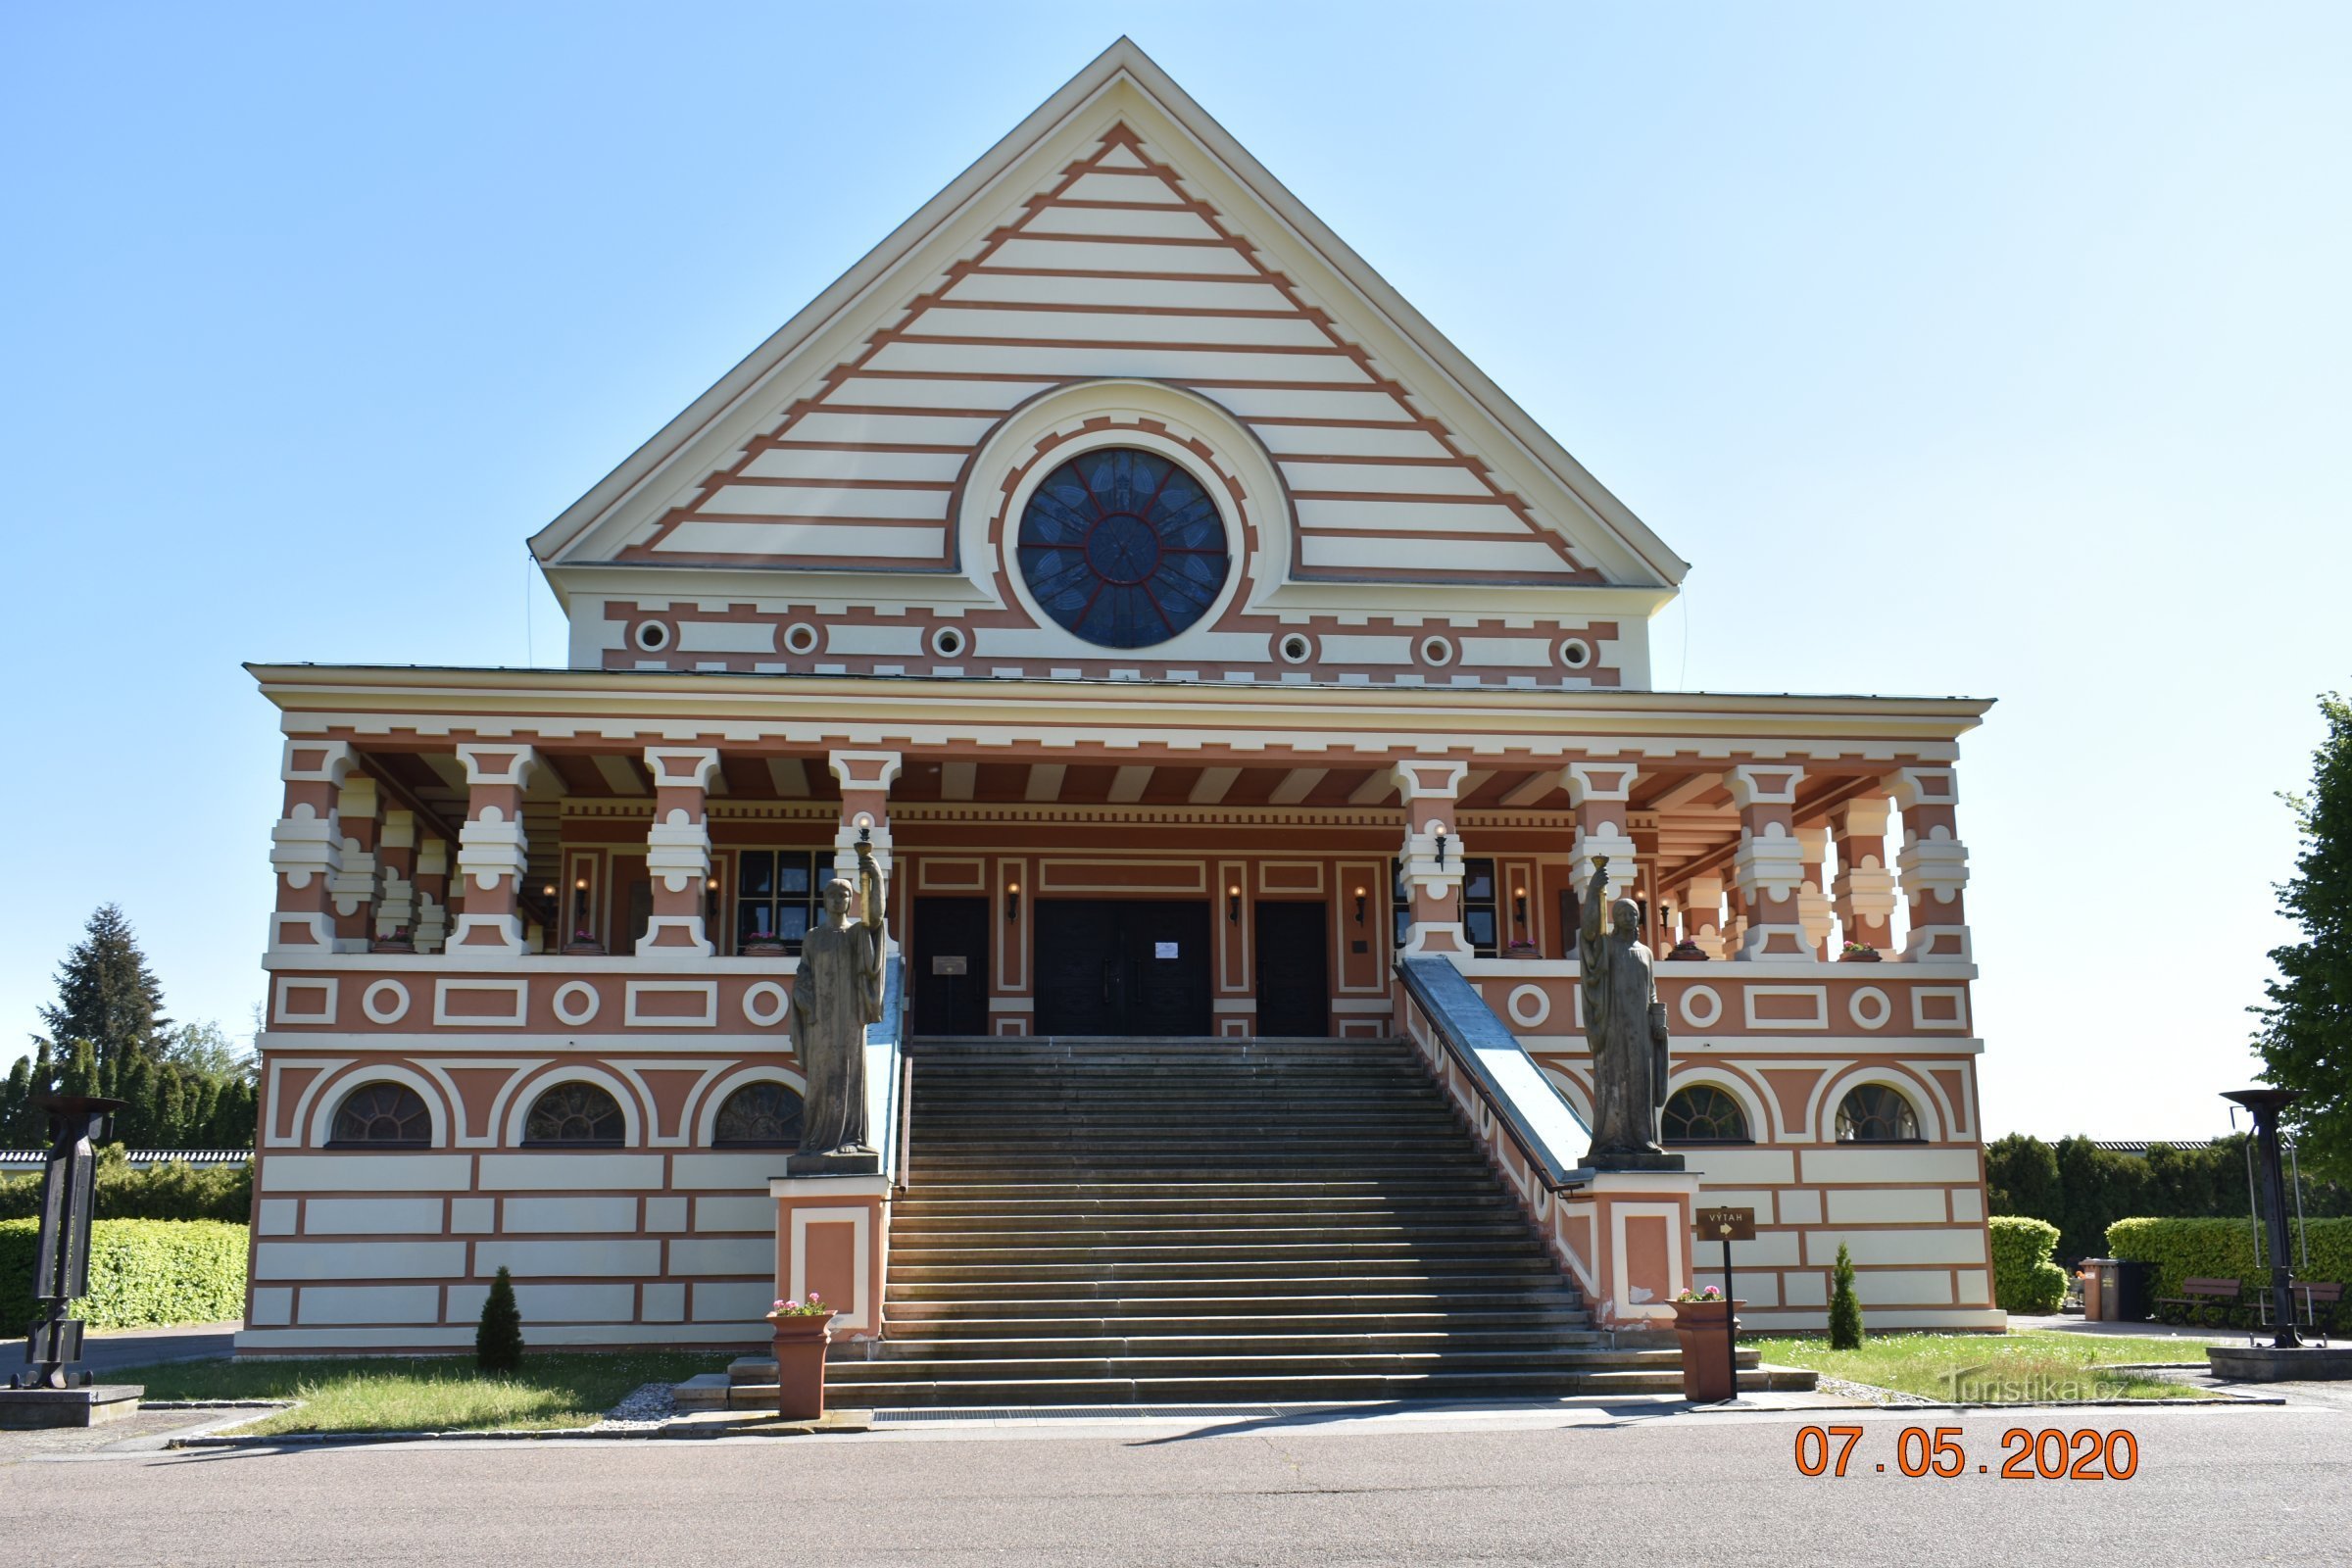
1996	1369
438	1394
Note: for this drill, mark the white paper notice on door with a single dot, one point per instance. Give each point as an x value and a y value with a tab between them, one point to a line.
1163	950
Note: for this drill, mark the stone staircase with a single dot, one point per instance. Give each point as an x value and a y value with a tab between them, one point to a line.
1185	1221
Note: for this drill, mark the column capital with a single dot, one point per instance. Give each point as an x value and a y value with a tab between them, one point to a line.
1598	781
1862	818
1428	778
1914	787
682	767
316	761
1765	784
866	770
495	762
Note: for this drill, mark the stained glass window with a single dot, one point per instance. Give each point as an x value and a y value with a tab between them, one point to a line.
1877	1114
1704	1115
1123	547
760	1116
383	1114
575	1113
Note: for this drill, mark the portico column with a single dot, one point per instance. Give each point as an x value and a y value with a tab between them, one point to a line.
1934	864
396	864
355	885
1770	861
1813	910
306	846
1703	915
1600	792
432	894
866	778
1865	888
1432	854
677	852
492	852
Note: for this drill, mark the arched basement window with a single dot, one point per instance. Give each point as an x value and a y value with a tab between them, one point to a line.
760	1115
383	1115
1877	1114
575	1115
1702	1114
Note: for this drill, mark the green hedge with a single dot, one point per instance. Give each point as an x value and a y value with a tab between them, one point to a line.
144	1273
2224	1250
176	1191
2024	1279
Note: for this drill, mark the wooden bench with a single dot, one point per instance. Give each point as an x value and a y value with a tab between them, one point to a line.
2200	1296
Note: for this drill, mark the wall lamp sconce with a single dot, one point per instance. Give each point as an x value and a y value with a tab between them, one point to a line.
1441	852
1359	905
1233	905
1519	904
1012	900
548	891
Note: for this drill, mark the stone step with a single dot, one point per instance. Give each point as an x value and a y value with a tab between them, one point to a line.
1282	1282
1418	1185
1557	1326
1447	1303
933	1218
1252	1256
1206	1230
1281	1388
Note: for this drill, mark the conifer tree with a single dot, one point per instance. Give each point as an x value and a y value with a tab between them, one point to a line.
498	1338
1845	1307
2305	1037
107	995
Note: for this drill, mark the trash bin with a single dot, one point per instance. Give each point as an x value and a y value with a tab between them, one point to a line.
2133	1291
2094	1273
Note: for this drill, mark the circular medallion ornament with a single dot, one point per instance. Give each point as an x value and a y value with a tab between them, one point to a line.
1123	547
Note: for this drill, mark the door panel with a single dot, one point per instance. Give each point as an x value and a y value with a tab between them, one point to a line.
950	970
1123	967
1294	970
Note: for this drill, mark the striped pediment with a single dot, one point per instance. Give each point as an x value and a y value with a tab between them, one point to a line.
1117	234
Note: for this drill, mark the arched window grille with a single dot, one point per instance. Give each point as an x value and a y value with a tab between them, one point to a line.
383	1115
1877	1114
575	1115
1704	1114
760	1115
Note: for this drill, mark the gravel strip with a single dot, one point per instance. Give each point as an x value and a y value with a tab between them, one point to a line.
1871	1392
650	1405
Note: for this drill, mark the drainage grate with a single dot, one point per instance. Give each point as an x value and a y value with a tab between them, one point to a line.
1074	1413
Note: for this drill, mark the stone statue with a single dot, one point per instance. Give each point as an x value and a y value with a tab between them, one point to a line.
1625	1027
837	993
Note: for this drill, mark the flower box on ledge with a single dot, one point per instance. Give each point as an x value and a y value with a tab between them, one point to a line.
803	1331
1687	952
583	945
1858	952
763	948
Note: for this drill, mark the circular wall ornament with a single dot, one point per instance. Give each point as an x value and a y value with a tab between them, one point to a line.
1576	653
576	1003
1869	1008
766	1003
1123	547
1701	1006
800	638
386	1002
1528	1006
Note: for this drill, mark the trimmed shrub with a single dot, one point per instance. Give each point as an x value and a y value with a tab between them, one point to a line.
498	1339
1845	1307
2224	1250
144	1273
2024	1279
176	1191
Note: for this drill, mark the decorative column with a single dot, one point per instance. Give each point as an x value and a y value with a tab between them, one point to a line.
1734	919
1598	792
1813	910
493	853
396	891
1934	864
1865	888
677	852
432	894
1432	854
355	886
1703	915
306	846
866	778
1770	862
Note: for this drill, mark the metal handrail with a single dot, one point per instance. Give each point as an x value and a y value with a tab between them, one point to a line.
1424	979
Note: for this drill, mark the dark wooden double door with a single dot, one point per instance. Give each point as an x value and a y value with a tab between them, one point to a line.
1122	966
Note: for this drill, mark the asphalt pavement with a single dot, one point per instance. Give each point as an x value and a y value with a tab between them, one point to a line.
2233	1486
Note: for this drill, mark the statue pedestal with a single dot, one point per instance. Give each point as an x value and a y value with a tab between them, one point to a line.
1630	1233
867	1163
88	1406
832	1238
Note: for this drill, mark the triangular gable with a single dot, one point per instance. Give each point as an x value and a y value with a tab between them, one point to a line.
1118	232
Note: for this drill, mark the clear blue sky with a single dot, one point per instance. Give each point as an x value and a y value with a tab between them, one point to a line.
1989	350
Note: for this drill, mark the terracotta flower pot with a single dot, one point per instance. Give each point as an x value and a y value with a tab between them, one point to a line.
800	1364
1707	1375
1858	957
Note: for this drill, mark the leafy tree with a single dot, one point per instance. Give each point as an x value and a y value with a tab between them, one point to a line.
498	1338
107	995
2305	1037
205	1049
1845	1307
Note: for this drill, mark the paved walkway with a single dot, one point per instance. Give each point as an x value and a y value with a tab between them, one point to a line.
2018	1323
186	1341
